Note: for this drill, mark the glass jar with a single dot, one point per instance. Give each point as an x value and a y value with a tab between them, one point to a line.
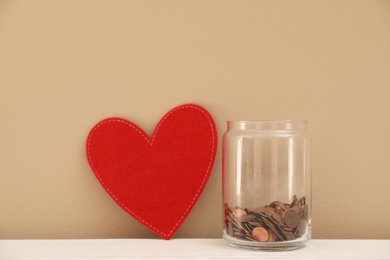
267	184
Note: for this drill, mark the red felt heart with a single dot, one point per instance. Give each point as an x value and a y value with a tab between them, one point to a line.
156	180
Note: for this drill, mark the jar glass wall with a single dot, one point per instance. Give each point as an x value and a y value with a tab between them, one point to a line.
267	184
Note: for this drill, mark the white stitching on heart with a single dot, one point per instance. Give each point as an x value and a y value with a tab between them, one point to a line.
151	143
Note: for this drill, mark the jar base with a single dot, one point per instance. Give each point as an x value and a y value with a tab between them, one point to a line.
267	246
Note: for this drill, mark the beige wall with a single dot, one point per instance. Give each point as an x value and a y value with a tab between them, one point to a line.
65	65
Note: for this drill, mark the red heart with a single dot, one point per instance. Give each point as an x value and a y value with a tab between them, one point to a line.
156	180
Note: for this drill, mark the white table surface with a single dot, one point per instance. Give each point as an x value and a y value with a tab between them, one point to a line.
184	249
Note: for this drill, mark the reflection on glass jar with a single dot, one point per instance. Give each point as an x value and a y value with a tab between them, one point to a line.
267	184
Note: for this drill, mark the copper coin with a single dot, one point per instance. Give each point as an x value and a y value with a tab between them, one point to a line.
289	235
292	218
256	223
238	224
239	235
278	218
250	238
271	237
293	201
296	208
246	218
274	228
302	201
238	212
268	209
302	227
286	228
279	209
260	234
275	203
282	206
269	214
259	209
258	215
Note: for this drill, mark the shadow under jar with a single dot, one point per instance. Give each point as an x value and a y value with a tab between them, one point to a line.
267	184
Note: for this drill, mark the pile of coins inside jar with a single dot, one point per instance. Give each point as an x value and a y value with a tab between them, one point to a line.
275	222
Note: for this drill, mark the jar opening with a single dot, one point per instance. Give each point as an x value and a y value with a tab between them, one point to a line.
271	125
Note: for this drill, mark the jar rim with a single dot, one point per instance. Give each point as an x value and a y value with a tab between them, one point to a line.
270	121
268	125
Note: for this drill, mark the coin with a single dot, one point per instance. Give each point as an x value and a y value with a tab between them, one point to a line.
268	209
302	201
238	224
275	203
275	222
246	218
284	227
260	234
282	206
239	235
293	201
274	228
292	218
279	210
238	212
259	209
256	223
296	208
289	235
271	237
258	215
302	227
278	218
